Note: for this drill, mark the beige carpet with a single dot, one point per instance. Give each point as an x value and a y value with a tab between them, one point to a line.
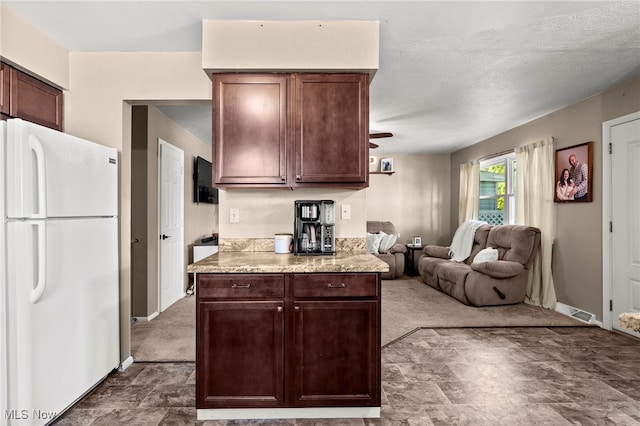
171	336
407	304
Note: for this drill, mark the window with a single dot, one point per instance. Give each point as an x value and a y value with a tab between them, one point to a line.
498	190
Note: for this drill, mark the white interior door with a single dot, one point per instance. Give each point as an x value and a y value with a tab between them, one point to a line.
624	137
172	267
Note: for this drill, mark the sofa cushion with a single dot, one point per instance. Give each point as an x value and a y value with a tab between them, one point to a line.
498	268
451	279
375	226
514	243
386	242
485	255
479	242
437	251
373	243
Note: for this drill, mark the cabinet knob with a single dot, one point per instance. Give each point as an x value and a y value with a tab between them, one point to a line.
279	309
298	177
341	285
296	308
283	178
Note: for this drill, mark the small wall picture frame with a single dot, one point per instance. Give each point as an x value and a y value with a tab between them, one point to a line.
386	165
574	174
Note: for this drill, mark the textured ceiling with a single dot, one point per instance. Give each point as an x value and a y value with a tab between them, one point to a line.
451	73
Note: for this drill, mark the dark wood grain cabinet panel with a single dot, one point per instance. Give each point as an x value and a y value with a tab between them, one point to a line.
336	347
4	89
240	342
335	353
26	97
331	128
291	130
249	125
288	340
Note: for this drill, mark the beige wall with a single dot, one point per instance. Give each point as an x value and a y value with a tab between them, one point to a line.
24	46
290	45
266	212
577	255
415	198
98	108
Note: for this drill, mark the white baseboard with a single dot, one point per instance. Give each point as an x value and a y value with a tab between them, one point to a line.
126	363
287	413
149	318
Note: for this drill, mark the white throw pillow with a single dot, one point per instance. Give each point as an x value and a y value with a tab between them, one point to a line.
387	241
373	242
486	255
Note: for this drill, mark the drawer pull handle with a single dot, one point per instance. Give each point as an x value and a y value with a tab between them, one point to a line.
296	308
341	285
241	286
279	309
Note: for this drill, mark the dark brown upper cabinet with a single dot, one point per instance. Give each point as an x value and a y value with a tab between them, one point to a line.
291	130
26	97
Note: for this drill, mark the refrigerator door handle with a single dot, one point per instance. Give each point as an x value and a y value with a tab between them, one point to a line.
36	147
38	291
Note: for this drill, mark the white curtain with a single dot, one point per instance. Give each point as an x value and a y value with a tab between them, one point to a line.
535	190
469	202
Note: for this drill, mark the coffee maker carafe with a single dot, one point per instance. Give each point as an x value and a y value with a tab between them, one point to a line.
313	228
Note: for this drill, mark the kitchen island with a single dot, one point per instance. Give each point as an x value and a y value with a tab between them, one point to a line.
284	336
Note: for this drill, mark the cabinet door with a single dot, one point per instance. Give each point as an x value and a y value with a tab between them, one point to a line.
331	122
35	101
4	89
336	359
250	128
239	358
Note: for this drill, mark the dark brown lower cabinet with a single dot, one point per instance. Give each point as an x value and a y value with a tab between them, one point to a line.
288	340
240	341
335	351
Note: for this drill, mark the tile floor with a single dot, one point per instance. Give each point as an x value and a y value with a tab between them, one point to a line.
470	376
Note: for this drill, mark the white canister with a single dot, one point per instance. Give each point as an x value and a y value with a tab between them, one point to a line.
282	243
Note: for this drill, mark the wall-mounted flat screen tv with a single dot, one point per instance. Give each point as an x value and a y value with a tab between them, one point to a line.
203	190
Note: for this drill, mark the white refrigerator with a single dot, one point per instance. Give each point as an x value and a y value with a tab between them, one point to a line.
59	314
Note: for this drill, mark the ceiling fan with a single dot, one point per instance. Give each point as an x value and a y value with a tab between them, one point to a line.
378	135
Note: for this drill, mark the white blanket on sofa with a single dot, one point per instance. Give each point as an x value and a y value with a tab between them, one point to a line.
462	242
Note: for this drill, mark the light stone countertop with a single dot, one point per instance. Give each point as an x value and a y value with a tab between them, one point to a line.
269	262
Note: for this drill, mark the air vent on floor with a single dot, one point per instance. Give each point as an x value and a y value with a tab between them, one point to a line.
581	315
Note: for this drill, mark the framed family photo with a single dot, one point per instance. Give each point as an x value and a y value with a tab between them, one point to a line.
386	165
574	174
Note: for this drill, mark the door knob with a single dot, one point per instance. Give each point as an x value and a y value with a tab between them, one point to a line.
164	237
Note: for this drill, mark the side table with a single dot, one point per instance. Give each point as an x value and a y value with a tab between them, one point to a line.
410	267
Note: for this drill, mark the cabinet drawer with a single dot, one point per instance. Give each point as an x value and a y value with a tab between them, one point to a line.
240	286
335	285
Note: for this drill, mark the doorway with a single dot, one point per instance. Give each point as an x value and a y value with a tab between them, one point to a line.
621	222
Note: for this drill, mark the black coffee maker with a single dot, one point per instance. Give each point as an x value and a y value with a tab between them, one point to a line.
313	228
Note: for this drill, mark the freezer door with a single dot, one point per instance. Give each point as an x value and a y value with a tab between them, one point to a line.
52	174
63	314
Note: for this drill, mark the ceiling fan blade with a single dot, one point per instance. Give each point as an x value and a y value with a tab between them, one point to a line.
379	135
373	145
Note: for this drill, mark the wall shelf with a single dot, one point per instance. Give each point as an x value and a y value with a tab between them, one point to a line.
381	173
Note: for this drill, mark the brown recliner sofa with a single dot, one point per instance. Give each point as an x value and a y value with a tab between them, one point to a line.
395	256
496	282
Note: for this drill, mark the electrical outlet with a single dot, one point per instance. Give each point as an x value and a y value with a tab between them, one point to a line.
234	215
345	211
